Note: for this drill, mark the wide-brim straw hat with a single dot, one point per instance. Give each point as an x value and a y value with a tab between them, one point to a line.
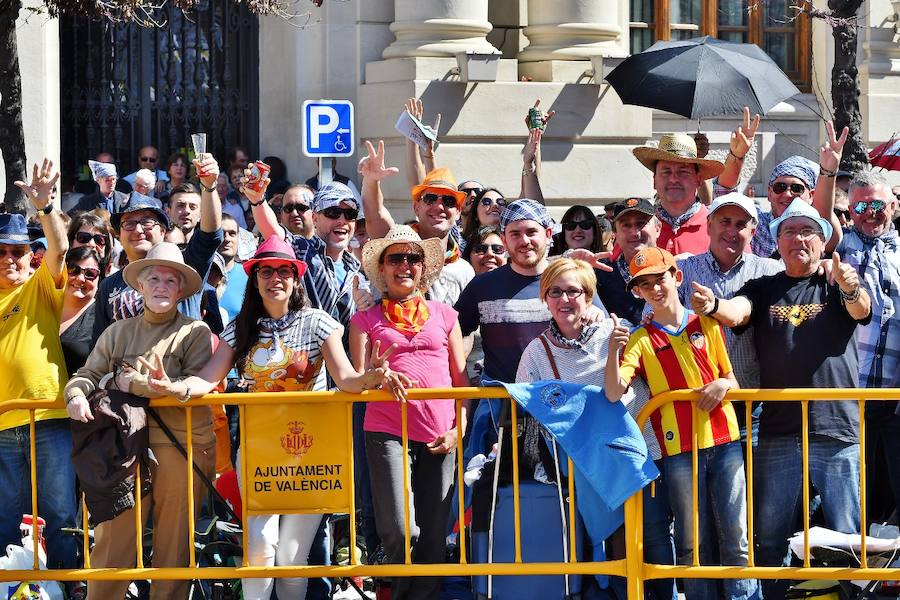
164	254
402	234
677	147
441	181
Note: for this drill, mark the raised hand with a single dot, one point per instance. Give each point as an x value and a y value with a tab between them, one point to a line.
248	192
742	136
372	166
158	380
545	117
532	153
207	170
844	275
619	335
414	107
831	152
702	299
42	184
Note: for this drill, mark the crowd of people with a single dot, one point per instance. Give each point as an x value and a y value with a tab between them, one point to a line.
192	280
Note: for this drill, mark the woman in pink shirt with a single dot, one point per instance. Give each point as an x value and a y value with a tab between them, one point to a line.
428	349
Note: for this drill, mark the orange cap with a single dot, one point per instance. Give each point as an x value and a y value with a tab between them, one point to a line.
650	261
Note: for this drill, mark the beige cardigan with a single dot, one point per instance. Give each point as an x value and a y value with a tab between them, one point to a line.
185	346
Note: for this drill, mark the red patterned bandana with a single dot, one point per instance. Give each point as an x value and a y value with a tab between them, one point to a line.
408	316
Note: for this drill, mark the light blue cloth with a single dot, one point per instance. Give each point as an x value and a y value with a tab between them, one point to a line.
796	166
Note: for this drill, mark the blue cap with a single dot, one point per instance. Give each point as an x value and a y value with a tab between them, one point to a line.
13	229
41	242
136	202
801	208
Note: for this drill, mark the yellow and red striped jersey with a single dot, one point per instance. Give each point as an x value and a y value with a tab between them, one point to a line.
689	358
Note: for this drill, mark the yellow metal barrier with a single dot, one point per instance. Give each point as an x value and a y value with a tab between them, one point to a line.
632	567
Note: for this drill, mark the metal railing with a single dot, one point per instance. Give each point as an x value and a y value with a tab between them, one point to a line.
632	567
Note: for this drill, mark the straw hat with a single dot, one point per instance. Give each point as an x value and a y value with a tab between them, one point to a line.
441	181
164	254
677	147
402	234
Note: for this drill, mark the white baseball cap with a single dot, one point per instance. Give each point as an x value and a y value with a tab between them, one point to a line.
734	199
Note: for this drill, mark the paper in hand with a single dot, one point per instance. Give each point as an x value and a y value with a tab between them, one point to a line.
416	131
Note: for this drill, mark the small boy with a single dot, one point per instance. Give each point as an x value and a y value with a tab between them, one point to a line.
679	349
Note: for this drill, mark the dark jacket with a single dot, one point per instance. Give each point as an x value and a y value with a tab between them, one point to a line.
106	451
95	200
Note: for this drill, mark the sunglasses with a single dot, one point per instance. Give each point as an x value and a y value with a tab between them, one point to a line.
83	237
298	208
146	223
284	272
572	293
16	252
430	199
781	187
471	191
483	248
148	159
584	225
90	273
860	208
335	212
501	202
400	258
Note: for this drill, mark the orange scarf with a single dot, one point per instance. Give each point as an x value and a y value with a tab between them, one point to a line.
408	316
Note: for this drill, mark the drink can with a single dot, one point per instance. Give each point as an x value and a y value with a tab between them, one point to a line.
259	171
535	118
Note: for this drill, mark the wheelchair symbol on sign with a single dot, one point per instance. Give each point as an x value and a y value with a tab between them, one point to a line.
339	145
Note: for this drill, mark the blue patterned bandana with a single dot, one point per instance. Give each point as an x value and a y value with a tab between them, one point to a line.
796	166
524	209
332	194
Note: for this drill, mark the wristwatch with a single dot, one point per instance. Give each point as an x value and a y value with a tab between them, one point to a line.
208	189
47	209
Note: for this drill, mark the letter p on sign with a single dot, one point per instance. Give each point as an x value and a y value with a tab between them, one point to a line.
328	128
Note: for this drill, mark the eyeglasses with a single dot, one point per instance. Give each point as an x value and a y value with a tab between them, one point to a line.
148	159
860	208
430	199
483	248
501	202
805	233
781	187
16	251
408	258
300	208
90	273
583	225
471	191
571	293
284	272
145	223
83	237
335	212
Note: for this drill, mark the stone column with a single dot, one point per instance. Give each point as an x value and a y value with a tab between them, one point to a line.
575	30
439	28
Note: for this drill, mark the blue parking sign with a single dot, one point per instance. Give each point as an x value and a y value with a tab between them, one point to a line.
328	128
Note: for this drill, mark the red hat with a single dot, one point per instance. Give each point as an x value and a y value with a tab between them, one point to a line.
275	249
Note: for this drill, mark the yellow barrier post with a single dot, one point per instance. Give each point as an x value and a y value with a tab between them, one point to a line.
404	433
751	557
573	554
634	548
245	481
695	484
138	520
188	417
351	560
32	450
514	432
86	538
460	484
862	482
804	448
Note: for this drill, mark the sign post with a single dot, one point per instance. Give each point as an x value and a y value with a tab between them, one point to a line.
327	133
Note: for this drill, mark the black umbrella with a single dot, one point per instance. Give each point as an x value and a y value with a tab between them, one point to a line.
702	77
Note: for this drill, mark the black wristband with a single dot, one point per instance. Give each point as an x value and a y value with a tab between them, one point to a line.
47	209
715	308
252	203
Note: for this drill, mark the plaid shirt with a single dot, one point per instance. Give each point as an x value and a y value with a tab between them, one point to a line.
877	260
320	280
704	269
763	244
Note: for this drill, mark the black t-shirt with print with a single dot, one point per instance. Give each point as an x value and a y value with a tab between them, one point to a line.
804	338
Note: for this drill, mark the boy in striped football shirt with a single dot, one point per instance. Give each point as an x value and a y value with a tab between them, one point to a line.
679	349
